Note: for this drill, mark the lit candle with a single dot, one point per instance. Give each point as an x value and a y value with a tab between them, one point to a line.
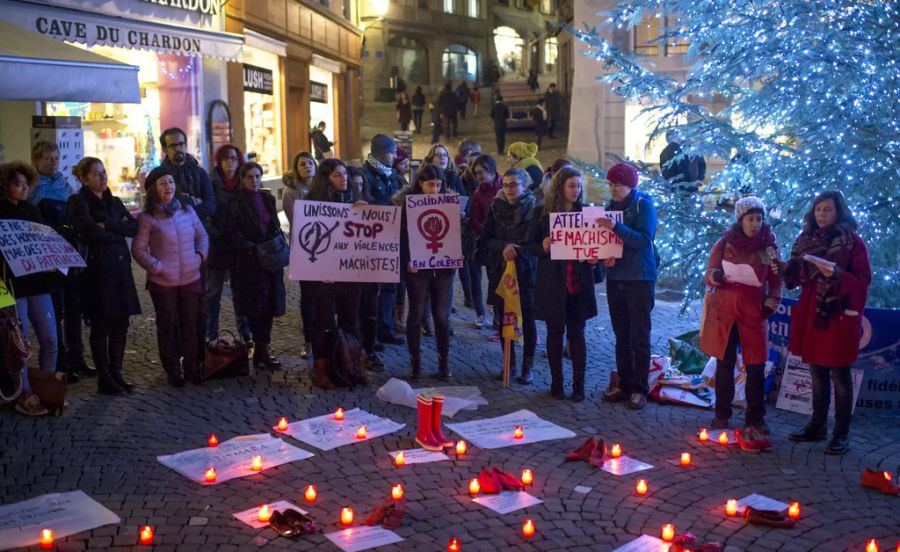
346	516
461	447
519	432
146	535
474	487
256	463
213	440
339	414
527	477
641	487
723	438
731	507
794	510
361	432
872	545
528	529
887	476
454	546
685	458
616	450
399	458
46	538
668	532
264	513
282	424
397	492
704	435
310	494
210	475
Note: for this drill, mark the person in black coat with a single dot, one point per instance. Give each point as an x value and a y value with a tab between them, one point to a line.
448	106
500	114
108	295
564	290
553	103
418	108
260	292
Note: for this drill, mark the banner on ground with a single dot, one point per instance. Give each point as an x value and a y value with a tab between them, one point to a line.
338	242
64	513
435	234
326	433
492	433
576	236
29	247
795	393
508	290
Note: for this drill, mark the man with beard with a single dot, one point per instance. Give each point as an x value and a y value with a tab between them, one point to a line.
190	179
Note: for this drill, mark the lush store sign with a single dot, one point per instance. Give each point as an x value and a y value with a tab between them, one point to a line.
257	79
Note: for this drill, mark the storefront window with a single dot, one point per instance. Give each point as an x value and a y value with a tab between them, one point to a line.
474	8
551	52
509	47
321	100
410	58
448	6
459	63
262	109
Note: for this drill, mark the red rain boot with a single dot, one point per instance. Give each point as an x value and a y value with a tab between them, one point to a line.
424	437
437	404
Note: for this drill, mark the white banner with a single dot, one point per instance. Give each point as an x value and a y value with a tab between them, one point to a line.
326	433
64	513
339	242
435	234
29	247
498	432
577	236
232	458
795	391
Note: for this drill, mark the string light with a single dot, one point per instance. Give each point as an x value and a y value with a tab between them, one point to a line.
180	73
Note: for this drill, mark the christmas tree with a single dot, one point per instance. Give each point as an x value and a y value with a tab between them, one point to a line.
794	96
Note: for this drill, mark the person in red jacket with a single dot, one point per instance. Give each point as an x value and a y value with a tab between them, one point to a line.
735	312
484	168
830	263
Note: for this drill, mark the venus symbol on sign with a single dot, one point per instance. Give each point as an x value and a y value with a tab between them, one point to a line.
433	225
315	237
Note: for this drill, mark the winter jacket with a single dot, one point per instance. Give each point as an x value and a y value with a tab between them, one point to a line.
453	183
553	101
481	202
382	188
170	247
222	253
293	190
837	344
193	181
447	103
418	101
509	223
500	114
321	144
637	230
31	285
107	283
51	196
404	112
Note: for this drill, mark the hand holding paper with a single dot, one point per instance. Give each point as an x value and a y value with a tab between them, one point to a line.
741	274
824	265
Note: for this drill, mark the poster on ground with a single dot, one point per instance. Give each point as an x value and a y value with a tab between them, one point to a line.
507	501
63	513
339	242
492	433
577	236
355	539
326	433
435	234
29	247
795	393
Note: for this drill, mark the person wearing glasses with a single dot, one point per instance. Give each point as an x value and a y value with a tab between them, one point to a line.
190	178
484	169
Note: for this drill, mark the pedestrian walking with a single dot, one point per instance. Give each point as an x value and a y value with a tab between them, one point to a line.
418	108
500	115
404	111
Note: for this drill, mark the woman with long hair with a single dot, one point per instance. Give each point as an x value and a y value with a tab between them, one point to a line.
404	110
296	186
439	156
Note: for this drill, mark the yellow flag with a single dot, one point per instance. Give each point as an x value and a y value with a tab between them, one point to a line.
6	297
508	290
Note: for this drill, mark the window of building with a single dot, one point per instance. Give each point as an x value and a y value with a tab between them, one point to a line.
644	34
448	6
547	7
459	63
262	112
474	8
675	46
410	58
551	52
509	46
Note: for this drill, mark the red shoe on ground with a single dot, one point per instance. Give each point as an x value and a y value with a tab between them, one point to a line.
509	482
489	482
880	481
583	452
437	404
598	454
424	437
747	440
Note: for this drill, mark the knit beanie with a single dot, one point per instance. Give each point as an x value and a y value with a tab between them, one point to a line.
381	144
623	173
155	175
747	204
523	150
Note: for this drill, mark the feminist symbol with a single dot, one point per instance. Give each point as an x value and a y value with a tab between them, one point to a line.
315	237
433	225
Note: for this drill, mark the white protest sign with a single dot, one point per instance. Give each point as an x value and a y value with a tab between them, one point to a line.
795	392
507	501
251	516
29	247
326	433
63	513
761	502
576	236
355	539
498	432
232	458
645	543
624	465
339	242
435	234
419	456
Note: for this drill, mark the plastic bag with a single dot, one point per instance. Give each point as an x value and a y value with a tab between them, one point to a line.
456	398
685	352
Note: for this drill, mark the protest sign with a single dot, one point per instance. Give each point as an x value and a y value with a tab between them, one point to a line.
576	236
63	513
29	247
355	539
507	501
624	465
497	432
435	235
326	433
338	242
419	456
251	516
795	393
232	458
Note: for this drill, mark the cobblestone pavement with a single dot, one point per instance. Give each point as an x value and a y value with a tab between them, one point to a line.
107	447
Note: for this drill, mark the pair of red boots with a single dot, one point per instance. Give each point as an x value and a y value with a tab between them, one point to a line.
593	451
429	435
494	480
880	481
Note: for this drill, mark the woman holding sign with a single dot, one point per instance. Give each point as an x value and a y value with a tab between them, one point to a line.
830	263
564	290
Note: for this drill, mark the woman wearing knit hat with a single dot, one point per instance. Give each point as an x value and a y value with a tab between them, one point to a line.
524	156
735	312
630	284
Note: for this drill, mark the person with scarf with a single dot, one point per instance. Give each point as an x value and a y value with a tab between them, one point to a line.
296	186
170	245
735	313
484	169
524	156
826	321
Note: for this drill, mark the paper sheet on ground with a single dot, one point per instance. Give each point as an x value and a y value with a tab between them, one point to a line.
420	456
456	398
507	501
741	274
251	516
492	433
232	458
624	465
354	539
64	513
644	543
714	436
761	502
326	433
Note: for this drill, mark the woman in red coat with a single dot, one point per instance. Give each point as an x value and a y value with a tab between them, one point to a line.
736	311
830	263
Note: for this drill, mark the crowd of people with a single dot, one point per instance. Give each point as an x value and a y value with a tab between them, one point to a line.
197	229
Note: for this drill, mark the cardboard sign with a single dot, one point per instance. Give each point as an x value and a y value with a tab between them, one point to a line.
795	393
435	234
355	539
29	247
64	513
507	501
497	432
338	242
326	433
576	236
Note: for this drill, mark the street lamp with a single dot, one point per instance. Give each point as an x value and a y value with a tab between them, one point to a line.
378	9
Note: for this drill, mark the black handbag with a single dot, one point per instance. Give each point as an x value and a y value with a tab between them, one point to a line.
273	255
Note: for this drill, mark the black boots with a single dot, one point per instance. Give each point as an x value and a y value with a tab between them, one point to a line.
839	444
262	357
117	358
527	364
415	367
556	380
577	382
443	368
810	432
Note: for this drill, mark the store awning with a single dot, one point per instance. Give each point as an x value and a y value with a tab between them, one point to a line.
33	67
516	22
106	30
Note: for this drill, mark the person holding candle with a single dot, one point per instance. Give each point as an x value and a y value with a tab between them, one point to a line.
735	313
296	186
170	245
826	322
